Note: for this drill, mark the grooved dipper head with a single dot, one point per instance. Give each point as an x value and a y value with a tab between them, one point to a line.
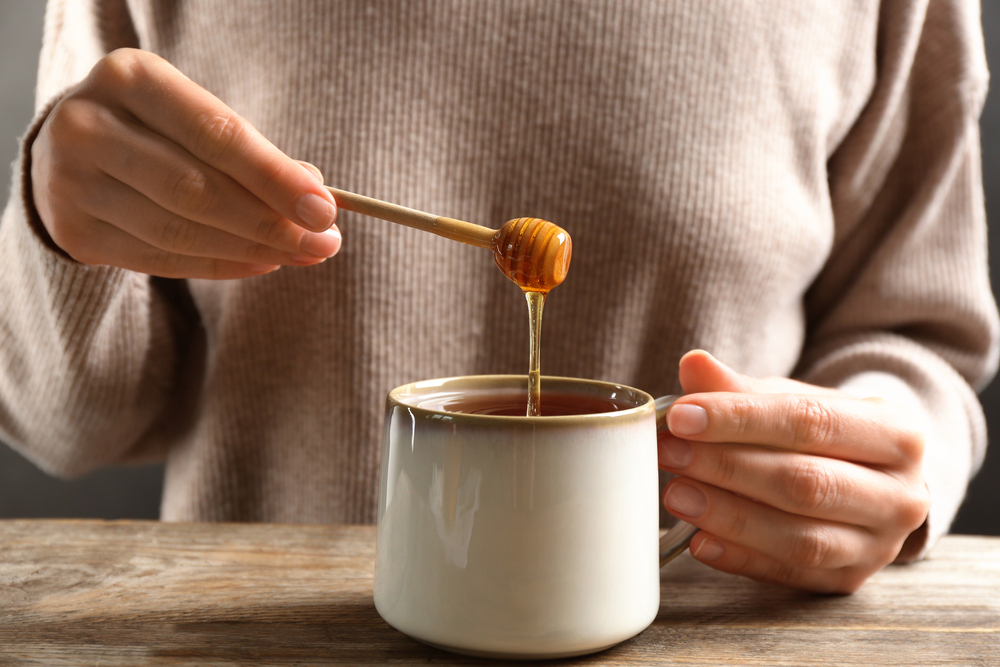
534	253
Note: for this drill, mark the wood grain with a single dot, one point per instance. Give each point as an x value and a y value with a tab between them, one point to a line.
147	593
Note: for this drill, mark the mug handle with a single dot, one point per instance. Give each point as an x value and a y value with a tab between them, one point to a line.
677	539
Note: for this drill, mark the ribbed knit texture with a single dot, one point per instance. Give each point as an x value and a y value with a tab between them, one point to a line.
791	186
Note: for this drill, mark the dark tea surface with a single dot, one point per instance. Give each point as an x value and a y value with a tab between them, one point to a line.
510	404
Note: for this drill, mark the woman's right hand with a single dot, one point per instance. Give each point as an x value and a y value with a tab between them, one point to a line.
141	168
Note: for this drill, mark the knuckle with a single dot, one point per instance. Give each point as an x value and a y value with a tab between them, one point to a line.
271	176
726	469
736	523
911	443
255	253
66	232
914	509
55	180
271	231
813	547
744	561
71	122
811	486
161	262
122	68
906	430
741	411
62	119
179	235
813	423
191	192
214	134
778	573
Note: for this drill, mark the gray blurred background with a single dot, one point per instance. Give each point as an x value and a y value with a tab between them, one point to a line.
135	492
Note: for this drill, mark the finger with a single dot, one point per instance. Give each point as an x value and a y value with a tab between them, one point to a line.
810	486
193	190
313	171
792	539
736	559
867	431
123	207
700	372
174	106
105	244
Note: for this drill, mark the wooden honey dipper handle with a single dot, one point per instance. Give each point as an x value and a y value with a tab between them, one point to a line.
532	252
450	228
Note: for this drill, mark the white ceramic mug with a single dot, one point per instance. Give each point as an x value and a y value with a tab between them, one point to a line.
520	537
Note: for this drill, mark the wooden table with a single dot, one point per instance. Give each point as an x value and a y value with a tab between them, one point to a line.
147	593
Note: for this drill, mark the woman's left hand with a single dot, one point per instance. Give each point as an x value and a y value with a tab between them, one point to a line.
791	483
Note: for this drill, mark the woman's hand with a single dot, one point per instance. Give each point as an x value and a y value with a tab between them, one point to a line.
789	483
141	168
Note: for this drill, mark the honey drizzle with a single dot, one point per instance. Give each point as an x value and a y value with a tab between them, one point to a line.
536	300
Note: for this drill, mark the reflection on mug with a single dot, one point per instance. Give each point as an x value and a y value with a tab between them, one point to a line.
454	504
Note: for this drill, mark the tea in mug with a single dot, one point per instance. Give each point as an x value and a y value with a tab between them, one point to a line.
510	404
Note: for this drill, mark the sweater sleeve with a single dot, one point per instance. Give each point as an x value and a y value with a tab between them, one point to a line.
903	309
88	354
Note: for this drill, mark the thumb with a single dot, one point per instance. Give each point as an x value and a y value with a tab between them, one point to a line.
313	171
701	372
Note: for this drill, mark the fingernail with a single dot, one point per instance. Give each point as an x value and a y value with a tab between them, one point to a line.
260	269
675	453
687	419
709	549
313	171
686	499
307	260
316	212
325	244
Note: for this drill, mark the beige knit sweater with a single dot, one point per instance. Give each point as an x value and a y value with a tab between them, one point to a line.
791	185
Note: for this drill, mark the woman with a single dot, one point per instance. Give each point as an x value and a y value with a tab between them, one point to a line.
793	187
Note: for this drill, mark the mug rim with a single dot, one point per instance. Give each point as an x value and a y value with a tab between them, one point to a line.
396	396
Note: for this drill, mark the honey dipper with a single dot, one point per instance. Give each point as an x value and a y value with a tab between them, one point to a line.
532	252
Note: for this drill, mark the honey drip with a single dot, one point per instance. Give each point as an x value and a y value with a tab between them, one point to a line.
536	300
